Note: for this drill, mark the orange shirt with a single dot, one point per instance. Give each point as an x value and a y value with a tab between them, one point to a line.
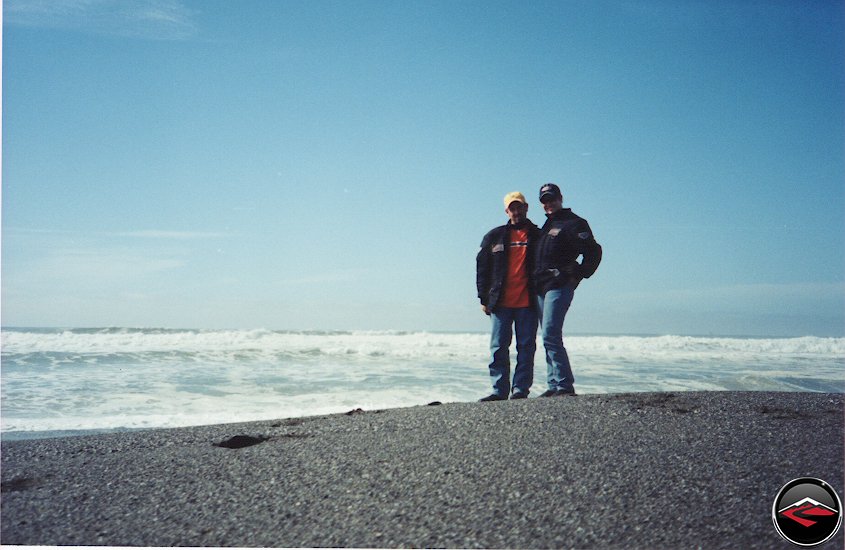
515	293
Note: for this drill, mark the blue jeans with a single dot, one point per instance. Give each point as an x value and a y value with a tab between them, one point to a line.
525	320
553	306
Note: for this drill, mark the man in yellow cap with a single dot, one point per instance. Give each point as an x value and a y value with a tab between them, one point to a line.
506	289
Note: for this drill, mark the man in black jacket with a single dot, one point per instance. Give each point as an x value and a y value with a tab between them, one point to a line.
506	291
563	238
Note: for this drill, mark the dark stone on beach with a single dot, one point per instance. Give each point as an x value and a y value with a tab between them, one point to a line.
434	403
241	441
784	414
354	411
18	484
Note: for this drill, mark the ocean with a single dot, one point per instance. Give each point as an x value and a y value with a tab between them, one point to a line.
68	381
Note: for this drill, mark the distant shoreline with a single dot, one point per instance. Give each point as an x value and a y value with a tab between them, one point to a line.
54	434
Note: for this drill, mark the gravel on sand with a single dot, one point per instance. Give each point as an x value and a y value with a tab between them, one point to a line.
639	470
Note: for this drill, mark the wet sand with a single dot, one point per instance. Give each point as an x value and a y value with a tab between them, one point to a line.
644	470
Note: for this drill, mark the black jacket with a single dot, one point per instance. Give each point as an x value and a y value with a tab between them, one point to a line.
491	263
563	238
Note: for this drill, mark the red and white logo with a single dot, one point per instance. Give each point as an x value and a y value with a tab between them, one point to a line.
807	512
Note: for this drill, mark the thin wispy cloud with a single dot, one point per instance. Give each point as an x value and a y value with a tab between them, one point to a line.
98	265
161	234
324	278
172	235
90	270
142	19
760	297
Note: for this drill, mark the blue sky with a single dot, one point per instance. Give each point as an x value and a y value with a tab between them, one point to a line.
334	165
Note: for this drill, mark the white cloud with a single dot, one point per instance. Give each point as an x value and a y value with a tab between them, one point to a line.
761	309
174	235
323	278
84	268
57	261
762	296
146	19
165	234
765	296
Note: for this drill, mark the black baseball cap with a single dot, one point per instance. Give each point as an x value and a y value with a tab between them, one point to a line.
550	189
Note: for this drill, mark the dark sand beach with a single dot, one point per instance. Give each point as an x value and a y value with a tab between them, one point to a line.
645	470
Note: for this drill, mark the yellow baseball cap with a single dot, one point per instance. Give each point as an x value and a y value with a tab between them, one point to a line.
514	196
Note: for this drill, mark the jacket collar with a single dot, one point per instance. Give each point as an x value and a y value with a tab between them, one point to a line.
527	224
562	213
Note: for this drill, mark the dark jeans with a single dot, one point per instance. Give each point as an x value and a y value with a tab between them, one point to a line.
504	319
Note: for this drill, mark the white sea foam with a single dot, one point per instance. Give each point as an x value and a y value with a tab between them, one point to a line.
403	345
252	343
84	379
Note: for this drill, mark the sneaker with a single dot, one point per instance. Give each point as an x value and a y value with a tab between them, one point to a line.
548	393
519	395
493	397
565	393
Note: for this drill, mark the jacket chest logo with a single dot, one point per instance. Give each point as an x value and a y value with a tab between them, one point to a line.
498	248
554	232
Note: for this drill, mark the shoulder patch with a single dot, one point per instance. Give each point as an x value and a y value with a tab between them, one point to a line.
498	248
584	236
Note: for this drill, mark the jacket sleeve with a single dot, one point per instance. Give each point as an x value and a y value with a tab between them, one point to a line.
483	265
590	249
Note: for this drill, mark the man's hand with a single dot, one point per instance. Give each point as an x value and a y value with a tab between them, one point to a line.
485	309
571	268
572	273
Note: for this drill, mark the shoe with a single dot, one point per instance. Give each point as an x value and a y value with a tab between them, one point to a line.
519	395
494	397
548	393
565	393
